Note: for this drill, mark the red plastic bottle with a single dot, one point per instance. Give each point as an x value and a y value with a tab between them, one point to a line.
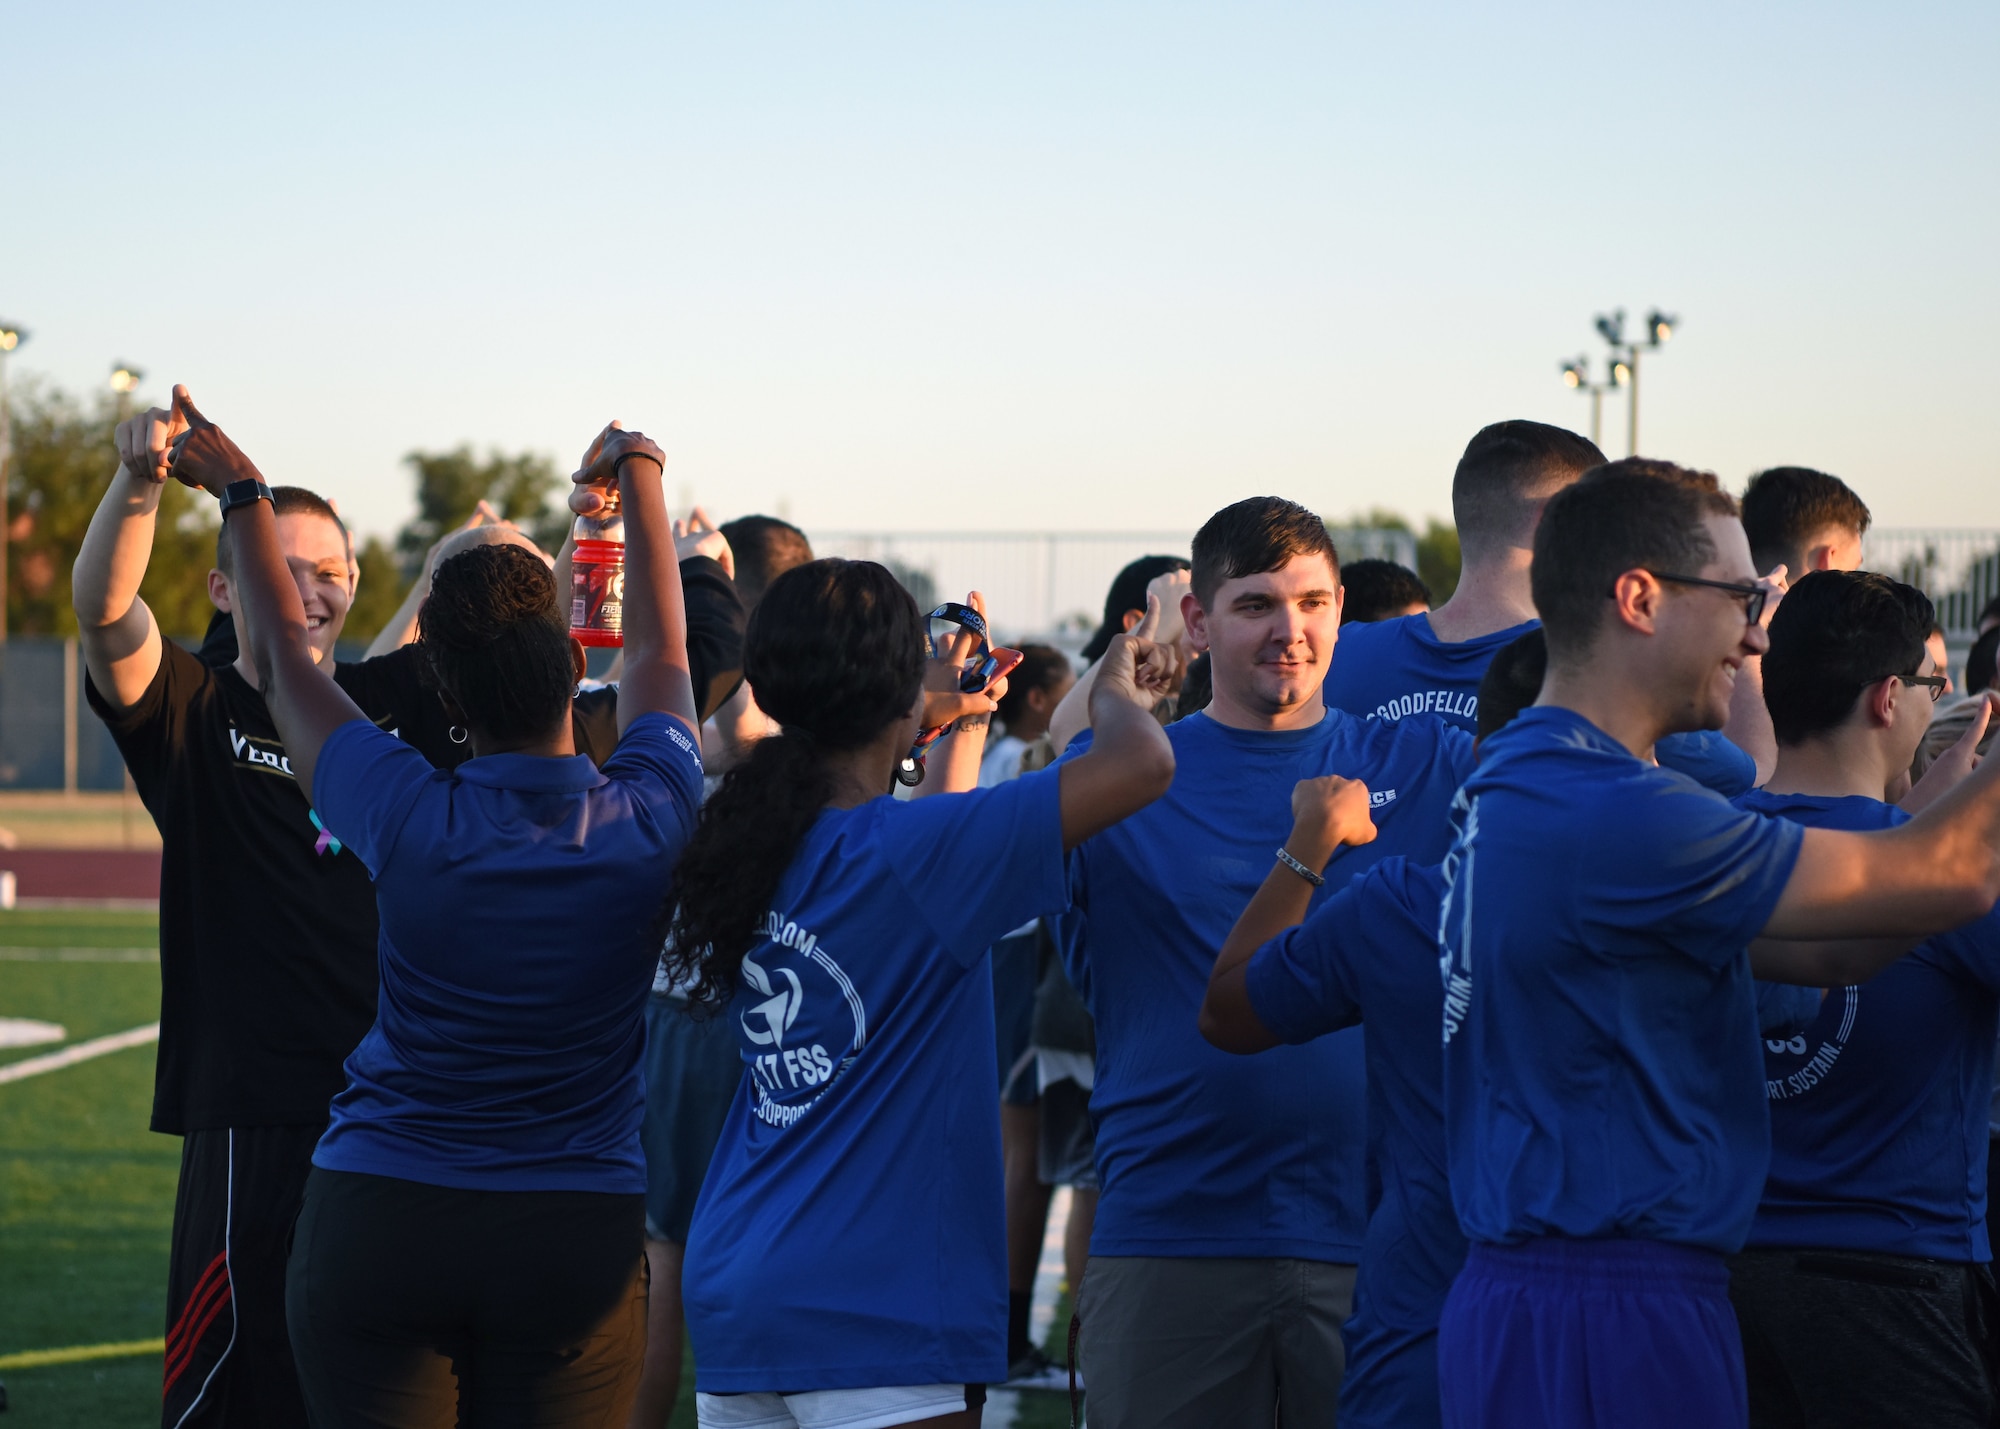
597	576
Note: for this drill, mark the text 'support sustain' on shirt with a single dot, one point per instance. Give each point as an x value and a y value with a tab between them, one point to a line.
1368	956
520	898
1391	669
1202	1154
850	1231
1879	1107
1603	1067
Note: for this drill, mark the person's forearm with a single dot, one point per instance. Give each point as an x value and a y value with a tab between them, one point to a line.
951	766
271	619
1749	725
1072	716
116	549
402	626
655	617
1826	962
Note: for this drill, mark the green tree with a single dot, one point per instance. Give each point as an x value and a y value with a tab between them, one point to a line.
64	457
1437	548
382	588
450	485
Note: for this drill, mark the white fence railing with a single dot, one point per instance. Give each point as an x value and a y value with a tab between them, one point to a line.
1045	585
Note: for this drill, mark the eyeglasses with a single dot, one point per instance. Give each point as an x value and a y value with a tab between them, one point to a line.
1938	683
1752	596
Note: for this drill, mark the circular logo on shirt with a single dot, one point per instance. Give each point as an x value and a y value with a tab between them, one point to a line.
801	1019
1795	1065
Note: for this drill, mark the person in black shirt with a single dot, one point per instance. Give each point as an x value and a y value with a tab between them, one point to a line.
267	927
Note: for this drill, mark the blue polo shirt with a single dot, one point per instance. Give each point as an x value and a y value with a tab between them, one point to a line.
519	899
1391	669
1370	953
850	1231
1879	1107
1603	1069
1202	1154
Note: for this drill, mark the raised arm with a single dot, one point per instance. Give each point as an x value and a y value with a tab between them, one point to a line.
306	705
120	638
1937	871
655	678
1130	762
484	527
1327	814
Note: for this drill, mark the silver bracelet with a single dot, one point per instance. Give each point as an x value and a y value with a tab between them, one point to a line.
1285	857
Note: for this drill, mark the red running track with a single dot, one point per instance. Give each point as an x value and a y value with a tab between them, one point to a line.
83	873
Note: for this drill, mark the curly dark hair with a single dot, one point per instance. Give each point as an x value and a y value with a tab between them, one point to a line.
835	652
495	640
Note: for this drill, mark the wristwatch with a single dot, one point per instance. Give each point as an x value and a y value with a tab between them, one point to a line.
242	493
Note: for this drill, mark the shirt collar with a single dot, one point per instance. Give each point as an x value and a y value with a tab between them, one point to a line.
533	773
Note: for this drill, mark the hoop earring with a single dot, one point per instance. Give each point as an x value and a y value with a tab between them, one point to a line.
458	736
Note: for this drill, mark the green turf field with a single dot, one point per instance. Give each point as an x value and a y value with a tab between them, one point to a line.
87	1193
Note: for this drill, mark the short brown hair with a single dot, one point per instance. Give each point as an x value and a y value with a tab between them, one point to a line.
1786	506
1508	469
1260	533
285	501
1625	515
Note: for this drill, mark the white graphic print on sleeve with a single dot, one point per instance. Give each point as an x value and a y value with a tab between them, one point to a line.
802	1018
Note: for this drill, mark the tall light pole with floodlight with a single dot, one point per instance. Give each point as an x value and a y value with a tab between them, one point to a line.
1576	377
125	380
1625	359
11	337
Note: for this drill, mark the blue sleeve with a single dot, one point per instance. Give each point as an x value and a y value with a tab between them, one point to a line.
1665	862
1709	759
364	786
978	865
1301	983
1783	1009
660	765
1971	952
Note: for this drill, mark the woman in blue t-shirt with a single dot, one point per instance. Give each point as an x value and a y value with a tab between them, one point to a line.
469	1251
846	1265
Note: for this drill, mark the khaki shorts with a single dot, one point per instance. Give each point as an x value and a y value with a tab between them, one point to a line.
1212	1344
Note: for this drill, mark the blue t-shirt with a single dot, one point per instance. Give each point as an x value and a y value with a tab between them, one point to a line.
1201	1154
519	899
1370	952
1390	669
1603	1070
1879	1108
850	1232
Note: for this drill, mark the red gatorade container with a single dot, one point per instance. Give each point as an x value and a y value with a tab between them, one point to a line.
597	576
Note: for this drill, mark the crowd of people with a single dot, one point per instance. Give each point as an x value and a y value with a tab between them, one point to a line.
1575	1004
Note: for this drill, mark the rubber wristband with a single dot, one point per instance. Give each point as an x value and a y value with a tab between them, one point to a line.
618	466
1285	857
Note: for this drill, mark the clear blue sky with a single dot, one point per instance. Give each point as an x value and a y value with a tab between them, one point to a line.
1019	266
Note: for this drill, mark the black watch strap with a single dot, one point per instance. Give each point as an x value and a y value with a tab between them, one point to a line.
242	493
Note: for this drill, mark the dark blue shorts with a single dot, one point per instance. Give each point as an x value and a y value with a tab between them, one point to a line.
1591	1334
692	1069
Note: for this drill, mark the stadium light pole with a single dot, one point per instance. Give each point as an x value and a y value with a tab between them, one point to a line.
1625	359
125	380
1576	377
11	337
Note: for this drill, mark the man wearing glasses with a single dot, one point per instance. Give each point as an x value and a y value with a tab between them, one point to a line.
1604	1079
1866	1294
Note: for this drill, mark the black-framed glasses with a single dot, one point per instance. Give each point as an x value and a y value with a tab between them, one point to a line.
1752	596
1937	684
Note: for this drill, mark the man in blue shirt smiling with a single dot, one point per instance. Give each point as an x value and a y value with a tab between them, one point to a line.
1865	1295
1603	1104
1234	1190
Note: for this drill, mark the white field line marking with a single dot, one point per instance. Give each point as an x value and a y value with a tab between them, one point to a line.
79	955
81	1052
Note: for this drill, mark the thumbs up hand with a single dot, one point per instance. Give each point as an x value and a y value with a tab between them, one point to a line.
202	455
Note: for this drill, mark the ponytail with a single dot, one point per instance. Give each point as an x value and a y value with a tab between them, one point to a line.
834	653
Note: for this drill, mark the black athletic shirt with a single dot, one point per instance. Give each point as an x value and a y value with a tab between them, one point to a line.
267	935
267	944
